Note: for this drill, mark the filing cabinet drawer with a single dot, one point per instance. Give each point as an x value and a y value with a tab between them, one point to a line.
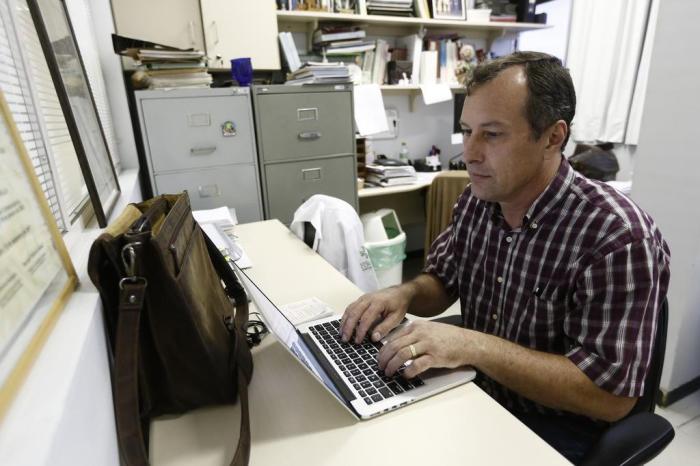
306	124
232	186
290	184
188	132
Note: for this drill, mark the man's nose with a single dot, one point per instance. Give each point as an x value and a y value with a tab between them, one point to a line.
473	152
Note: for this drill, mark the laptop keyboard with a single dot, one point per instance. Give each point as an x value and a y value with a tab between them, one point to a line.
358	364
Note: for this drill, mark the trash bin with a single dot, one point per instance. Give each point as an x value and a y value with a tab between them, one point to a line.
386	244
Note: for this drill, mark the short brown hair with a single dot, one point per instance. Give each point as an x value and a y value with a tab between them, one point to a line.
551	95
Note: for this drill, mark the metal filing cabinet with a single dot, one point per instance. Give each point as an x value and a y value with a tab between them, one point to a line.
306	143
202	141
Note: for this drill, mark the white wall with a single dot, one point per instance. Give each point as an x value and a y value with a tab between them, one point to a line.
101	12
554	40
427	125
665	180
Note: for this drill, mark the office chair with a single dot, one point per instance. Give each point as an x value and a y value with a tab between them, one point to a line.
641	435
442	195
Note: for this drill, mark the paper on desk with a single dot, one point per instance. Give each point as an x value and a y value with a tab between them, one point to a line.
306	310
457	138
370	117
226	243
434	93
219	215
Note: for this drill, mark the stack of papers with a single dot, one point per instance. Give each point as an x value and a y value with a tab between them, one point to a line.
218	224
307	310
167	68
390	7
382	175
320	73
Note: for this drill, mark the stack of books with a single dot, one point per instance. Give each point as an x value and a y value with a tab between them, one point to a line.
390	7
320	73
160	68
382	175
341	40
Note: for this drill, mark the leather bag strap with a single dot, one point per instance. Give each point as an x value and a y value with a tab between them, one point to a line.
126	396
241	353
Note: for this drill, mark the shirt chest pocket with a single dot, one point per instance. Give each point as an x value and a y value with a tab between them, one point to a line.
548	306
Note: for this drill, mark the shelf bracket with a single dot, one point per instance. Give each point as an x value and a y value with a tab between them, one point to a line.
412	96
493	37
311	26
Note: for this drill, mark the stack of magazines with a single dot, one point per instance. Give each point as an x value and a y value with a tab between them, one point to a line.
390	7
162	69
320	73
382	175
338	39
161	66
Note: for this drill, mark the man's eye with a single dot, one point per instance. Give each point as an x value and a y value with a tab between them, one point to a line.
491	134
466	132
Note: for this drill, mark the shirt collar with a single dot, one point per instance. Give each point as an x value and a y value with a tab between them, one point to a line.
554	192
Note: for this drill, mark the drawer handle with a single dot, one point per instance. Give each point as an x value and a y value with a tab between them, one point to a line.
310	135
202	150
311	174
210	190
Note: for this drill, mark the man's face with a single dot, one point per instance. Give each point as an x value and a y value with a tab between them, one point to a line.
505	162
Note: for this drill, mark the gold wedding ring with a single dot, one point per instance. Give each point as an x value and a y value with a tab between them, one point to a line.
413	351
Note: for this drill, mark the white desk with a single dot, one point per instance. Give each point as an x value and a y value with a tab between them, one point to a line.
423	180
294	421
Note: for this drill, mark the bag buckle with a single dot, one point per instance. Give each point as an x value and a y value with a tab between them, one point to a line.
132	280
129	262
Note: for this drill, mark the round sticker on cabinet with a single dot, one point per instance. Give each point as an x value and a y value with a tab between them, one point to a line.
228	129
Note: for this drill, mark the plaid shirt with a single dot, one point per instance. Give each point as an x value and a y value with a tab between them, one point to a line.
583	277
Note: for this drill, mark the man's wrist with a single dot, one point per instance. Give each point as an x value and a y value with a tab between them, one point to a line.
475	347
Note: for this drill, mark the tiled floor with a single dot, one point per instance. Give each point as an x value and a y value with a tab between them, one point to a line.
684	415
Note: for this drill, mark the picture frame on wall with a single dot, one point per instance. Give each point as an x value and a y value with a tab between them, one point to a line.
68	74
36	273
449	9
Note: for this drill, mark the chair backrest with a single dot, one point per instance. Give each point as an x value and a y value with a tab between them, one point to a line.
442	195
309	234
647	401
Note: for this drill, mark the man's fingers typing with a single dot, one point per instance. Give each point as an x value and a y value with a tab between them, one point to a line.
385	326
350	318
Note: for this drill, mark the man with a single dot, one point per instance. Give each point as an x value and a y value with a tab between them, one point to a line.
559	278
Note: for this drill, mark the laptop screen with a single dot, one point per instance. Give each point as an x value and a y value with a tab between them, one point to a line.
285	332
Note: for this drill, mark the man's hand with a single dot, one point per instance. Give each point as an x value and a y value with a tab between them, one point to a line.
435	345
385	307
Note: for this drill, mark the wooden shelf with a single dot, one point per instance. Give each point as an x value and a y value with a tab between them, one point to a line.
313	16
410	87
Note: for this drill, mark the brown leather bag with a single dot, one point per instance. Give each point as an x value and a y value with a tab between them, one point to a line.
175	343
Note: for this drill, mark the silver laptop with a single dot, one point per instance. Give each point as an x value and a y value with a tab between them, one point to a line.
346	370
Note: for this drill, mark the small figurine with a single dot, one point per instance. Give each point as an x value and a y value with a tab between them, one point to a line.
466	64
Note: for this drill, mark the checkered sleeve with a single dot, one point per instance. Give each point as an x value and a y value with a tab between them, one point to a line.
616	303
442	261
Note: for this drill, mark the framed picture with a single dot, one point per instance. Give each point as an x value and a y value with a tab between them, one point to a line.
68	74
449	9
36	274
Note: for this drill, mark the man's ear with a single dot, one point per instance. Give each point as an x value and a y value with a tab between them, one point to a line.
556	134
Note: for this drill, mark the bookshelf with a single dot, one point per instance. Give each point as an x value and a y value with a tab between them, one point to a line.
314	17
376	25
